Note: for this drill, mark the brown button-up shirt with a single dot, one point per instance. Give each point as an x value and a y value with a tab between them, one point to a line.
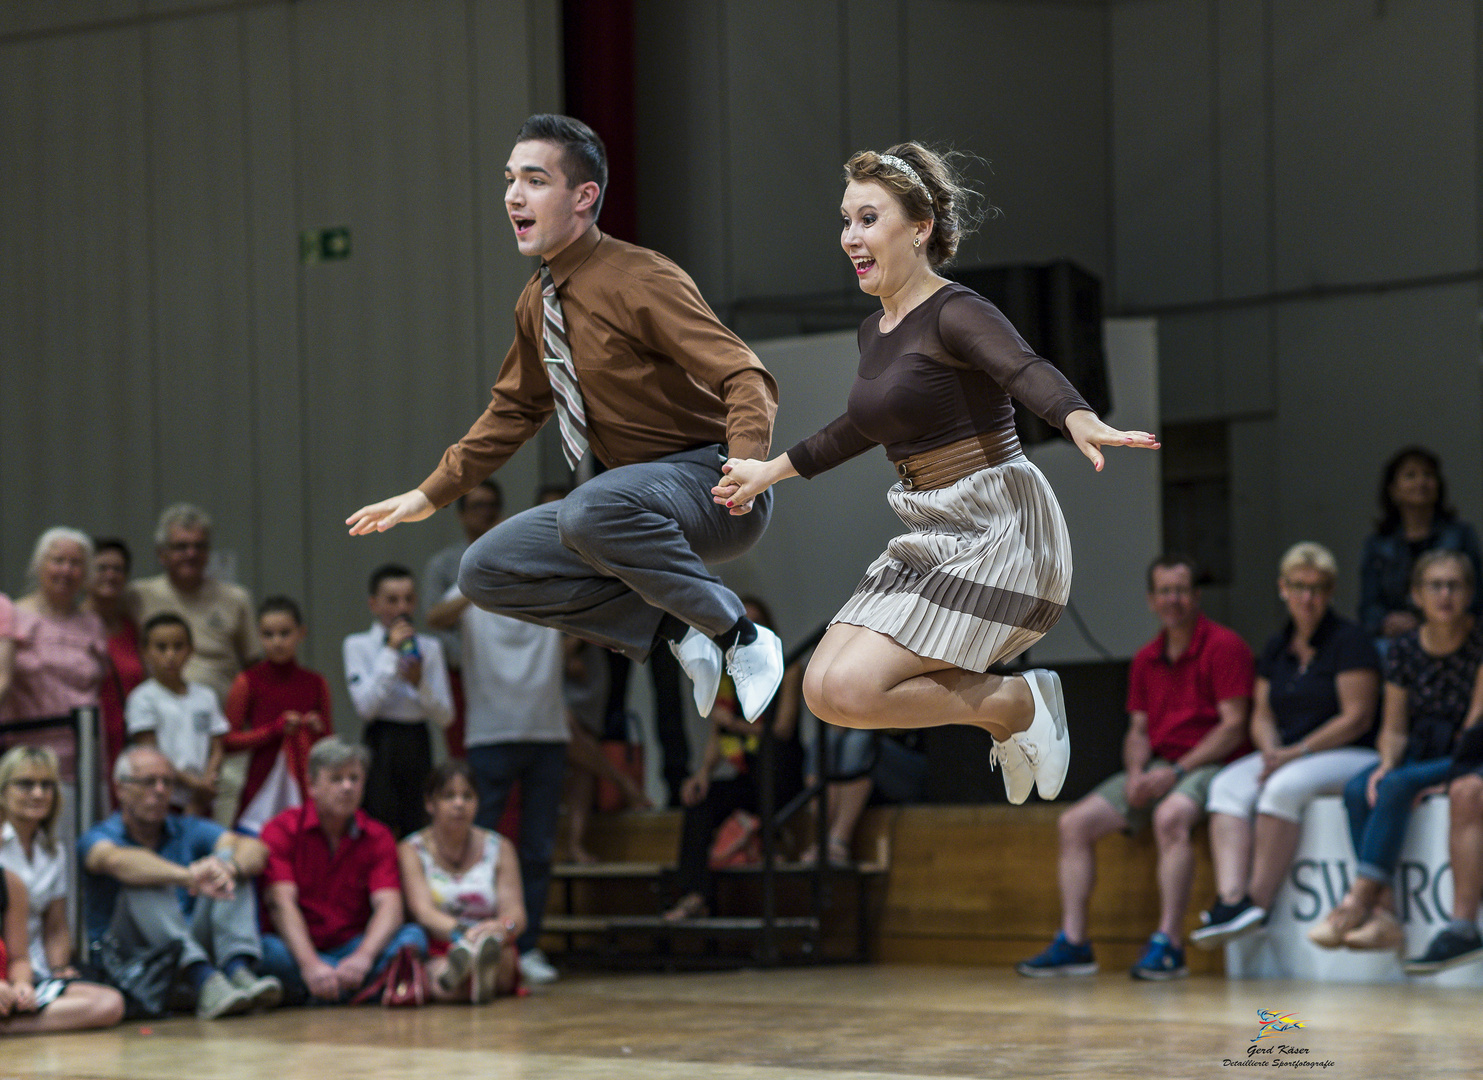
657	370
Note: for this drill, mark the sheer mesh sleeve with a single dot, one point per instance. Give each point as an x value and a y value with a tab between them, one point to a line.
831	445
976	332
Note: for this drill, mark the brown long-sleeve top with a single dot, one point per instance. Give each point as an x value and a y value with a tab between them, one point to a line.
946	372
657	370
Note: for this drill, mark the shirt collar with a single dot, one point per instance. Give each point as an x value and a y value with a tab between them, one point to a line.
1321	633
565	262
1197	635
7	833
310	820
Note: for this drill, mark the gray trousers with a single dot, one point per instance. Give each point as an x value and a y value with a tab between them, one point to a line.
215	931
605	563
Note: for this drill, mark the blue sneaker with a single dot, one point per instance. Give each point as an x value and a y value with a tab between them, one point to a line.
1160	961
1060	958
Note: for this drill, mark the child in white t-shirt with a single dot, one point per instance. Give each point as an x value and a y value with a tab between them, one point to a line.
183	719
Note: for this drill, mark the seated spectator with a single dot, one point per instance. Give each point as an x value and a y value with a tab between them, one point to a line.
1189	695
182	719
1415	517
1312	722
398	682
108	599
277	710
733	746
462	885
1459	942
60	655
865	768
30	801
152	877
333	890
1430	674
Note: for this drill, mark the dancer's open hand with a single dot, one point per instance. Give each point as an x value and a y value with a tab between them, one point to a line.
378	517
1088	432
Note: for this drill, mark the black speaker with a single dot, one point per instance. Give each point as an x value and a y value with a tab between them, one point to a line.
1057	308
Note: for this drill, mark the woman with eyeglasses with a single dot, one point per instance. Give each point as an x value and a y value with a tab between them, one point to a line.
1312	721
45	993
1431	694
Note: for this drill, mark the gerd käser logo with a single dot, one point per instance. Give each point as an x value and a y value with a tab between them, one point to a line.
1263	1054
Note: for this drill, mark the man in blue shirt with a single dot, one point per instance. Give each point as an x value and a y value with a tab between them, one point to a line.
151	877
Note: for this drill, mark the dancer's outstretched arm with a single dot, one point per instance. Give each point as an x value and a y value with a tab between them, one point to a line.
746	478
1088	432
378	517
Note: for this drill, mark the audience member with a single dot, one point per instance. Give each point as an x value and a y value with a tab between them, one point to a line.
219	614
108	599
181	718
462	885
584	689
333	890
7	645
398	682
60	653
1459	942
1312	722
30	803
1430	675
479	510
1189	695
517	731
1415	517
153	877
710	799
277	710
864	767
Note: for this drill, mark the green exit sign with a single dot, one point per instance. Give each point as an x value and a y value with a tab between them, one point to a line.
323	245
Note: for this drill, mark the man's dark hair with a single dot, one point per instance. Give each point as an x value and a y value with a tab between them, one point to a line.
493	488
281	605
166	618
1390	514
584	159
389	572
1168	561
113	543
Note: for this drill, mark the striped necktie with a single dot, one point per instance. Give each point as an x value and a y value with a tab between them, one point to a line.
570	413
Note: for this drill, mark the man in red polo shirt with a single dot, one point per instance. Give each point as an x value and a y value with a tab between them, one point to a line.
1189	697
333	890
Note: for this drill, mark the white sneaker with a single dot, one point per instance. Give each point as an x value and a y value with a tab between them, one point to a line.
757	671
486	970
1047	743
1019	774
700	658
536	970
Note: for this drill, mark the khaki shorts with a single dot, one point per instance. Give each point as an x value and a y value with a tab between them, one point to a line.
1196	784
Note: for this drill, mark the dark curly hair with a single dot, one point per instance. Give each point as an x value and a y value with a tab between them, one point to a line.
1390	514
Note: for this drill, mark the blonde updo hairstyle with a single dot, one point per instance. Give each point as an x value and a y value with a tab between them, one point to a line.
943	197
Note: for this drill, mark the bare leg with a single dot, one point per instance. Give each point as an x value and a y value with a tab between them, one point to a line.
581	787
1230	851
435	968
82	1005
1466	843
1080	828
1272	852
1173	820
509	969
846	803
869	681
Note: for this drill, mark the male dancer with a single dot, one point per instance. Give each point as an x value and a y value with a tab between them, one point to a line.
617	341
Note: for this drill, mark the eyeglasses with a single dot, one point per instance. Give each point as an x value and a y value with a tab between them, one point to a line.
27	784
1307	588
151	781
1456	585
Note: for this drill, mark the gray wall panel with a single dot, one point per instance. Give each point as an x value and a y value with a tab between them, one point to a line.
1376	140
74	290
36	16
1243	158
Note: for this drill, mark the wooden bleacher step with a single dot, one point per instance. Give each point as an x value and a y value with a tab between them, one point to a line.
605	924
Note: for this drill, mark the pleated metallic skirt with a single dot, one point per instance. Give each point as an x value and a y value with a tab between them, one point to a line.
982	574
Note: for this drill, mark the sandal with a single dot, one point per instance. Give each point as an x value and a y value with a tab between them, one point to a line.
689	906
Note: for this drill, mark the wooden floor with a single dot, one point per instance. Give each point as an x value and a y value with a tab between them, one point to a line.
880	1022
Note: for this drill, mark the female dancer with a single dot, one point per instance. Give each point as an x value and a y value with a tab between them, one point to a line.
986	568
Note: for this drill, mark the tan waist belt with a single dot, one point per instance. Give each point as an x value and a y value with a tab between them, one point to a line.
933	469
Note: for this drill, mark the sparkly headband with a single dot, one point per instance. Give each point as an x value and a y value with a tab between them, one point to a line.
901	166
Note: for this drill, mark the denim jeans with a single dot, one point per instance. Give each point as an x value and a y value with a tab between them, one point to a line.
1379	831
277	960
541	768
